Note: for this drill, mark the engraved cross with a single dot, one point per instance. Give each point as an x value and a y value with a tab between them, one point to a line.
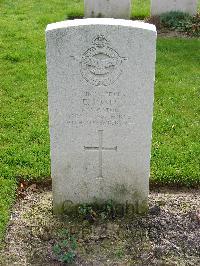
100	149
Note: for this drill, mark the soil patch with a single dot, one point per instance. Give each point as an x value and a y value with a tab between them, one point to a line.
168	235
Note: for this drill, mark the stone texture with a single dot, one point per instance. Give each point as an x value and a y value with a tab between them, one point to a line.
100	87
107	9
162	6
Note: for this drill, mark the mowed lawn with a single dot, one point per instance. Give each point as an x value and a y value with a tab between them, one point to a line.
24	138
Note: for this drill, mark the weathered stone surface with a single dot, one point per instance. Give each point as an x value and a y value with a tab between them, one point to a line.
100	86
162	6
107	9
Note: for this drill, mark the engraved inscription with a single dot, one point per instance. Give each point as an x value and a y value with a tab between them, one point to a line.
100	108
101	64
105	102
100	149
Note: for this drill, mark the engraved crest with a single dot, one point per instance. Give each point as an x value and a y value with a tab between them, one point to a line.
101	64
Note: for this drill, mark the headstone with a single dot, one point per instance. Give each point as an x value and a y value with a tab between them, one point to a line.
159	7
100	87
107	9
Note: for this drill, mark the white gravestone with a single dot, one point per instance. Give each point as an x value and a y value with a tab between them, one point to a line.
159	7
107	9
101	87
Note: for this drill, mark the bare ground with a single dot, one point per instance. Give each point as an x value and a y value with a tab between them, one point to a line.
168	235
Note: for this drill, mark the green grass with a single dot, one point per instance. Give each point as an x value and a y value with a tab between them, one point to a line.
7	195
176	147
24	138
141	8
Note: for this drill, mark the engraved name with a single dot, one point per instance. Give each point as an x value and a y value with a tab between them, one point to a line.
101	109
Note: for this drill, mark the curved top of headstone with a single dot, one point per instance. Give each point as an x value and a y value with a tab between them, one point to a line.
101	21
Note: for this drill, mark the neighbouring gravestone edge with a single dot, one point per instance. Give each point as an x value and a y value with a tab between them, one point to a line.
101	21
159	7
107	9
